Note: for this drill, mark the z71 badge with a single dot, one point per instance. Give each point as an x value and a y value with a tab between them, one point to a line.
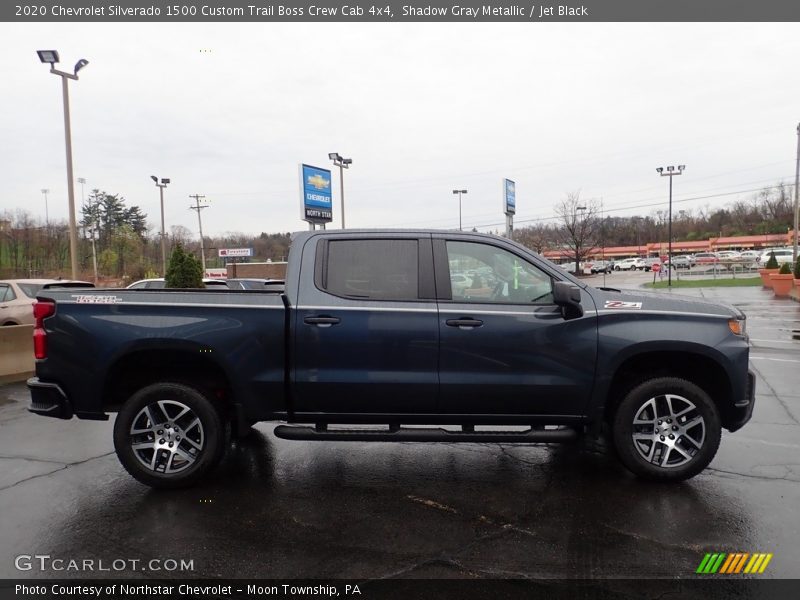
622	304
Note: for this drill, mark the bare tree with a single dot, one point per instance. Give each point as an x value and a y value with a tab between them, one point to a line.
579	226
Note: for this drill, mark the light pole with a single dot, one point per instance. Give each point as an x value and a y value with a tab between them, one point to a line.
459	192
342	163
161	187
578	237
796	204
45	191
670	173
51	57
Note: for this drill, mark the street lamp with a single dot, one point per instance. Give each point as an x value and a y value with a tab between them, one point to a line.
161	187
459	192
45	191
796	204
51	57
671	172
342	163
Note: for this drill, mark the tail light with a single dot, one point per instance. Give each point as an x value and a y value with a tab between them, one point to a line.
41	310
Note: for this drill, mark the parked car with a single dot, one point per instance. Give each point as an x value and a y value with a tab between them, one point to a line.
782	255
630	264
18	295
240	283
751	256
729	256
365	334
706	258
159	283
650	262
601	266
680	262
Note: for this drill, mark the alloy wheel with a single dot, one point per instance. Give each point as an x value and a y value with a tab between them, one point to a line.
166	436
668	431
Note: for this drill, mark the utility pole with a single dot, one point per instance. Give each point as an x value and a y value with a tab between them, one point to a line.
459	192
198	208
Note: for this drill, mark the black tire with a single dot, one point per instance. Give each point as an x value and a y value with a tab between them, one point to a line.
676	407
198	435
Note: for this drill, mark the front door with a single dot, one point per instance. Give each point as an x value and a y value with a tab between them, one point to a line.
504	346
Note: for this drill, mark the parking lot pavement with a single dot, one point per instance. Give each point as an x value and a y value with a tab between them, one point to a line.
304	509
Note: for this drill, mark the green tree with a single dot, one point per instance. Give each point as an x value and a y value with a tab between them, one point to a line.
184	270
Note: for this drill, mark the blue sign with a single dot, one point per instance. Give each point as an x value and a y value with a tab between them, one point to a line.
317	195
510	197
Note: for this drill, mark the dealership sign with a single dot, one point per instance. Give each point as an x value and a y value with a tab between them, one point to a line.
315	184
509	197
235	252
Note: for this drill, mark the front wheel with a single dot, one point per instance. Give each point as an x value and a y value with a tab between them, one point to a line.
169	435
666	429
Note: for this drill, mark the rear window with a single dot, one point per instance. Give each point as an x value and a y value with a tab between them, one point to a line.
372	269
30	289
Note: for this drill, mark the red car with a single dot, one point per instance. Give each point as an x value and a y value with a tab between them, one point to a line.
706	258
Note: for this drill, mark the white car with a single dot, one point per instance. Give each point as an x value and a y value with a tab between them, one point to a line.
159	284
782	255
630	264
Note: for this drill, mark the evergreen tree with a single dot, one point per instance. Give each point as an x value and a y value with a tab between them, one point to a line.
184	270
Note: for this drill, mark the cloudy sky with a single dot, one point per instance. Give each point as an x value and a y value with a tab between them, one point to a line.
230	110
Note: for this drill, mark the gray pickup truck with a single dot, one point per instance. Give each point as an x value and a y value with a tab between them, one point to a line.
463	333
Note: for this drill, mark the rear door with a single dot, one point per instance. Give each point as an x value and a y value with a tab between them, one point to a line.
504	346
366	331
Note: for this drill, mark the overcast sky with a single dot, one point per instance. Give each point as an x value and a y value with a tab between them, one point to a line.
420	108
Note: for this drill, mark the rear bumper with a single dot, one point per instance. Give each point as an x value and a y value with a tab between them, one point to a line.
49	399
743	409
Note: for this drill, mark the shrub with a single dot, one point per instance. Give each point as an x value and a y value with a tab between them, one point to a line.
797	268
785	269
184	270
772	263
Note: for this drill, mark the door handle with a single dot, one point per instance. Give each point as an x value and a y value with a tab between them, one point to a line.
321	321
464	323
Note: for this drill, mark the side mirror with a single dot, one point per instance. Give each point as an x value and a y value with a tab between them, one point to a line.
568	297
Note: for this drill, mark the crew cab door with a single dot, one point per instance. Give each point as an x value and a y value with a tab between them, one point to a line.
505	347
366	334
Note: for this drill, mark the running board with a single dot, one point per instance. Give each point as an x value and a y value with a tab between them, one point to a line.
321	433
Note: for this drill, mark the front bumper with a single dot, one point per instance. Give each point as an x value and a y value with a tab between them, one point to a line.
49	399
743	409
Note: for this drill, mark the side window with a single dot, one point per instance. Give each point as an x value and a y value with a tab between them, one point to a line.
372	269
482	273
6	295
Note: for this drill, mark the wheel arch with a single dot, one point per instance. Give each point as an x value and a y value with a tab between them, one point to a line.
145	366
694	366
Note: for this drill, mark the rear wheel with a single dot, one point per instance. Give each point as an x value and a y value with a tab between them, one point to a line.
169	435
666	429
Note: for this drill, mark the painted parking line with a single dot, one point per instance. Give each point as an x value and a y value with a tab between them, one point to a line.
774	359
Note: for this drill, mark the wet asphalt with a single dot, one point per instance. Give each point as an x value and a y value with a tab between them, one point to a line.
283	509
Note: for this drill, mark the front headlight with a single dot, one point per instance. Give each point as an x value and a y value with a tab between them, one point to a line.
738	326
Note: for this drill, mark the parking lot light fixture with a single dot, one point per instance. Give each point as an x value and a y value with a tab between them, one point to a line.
670	173
342	163
161	187
51	57
459	192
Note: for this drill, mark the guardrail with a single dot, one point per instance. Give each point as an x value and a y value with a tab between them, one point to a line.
724	269
16	353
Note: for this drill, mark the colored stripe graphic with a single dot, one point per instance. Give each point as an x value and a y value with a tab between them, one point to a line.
765	563
720	562
703	563
728	562
740	564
